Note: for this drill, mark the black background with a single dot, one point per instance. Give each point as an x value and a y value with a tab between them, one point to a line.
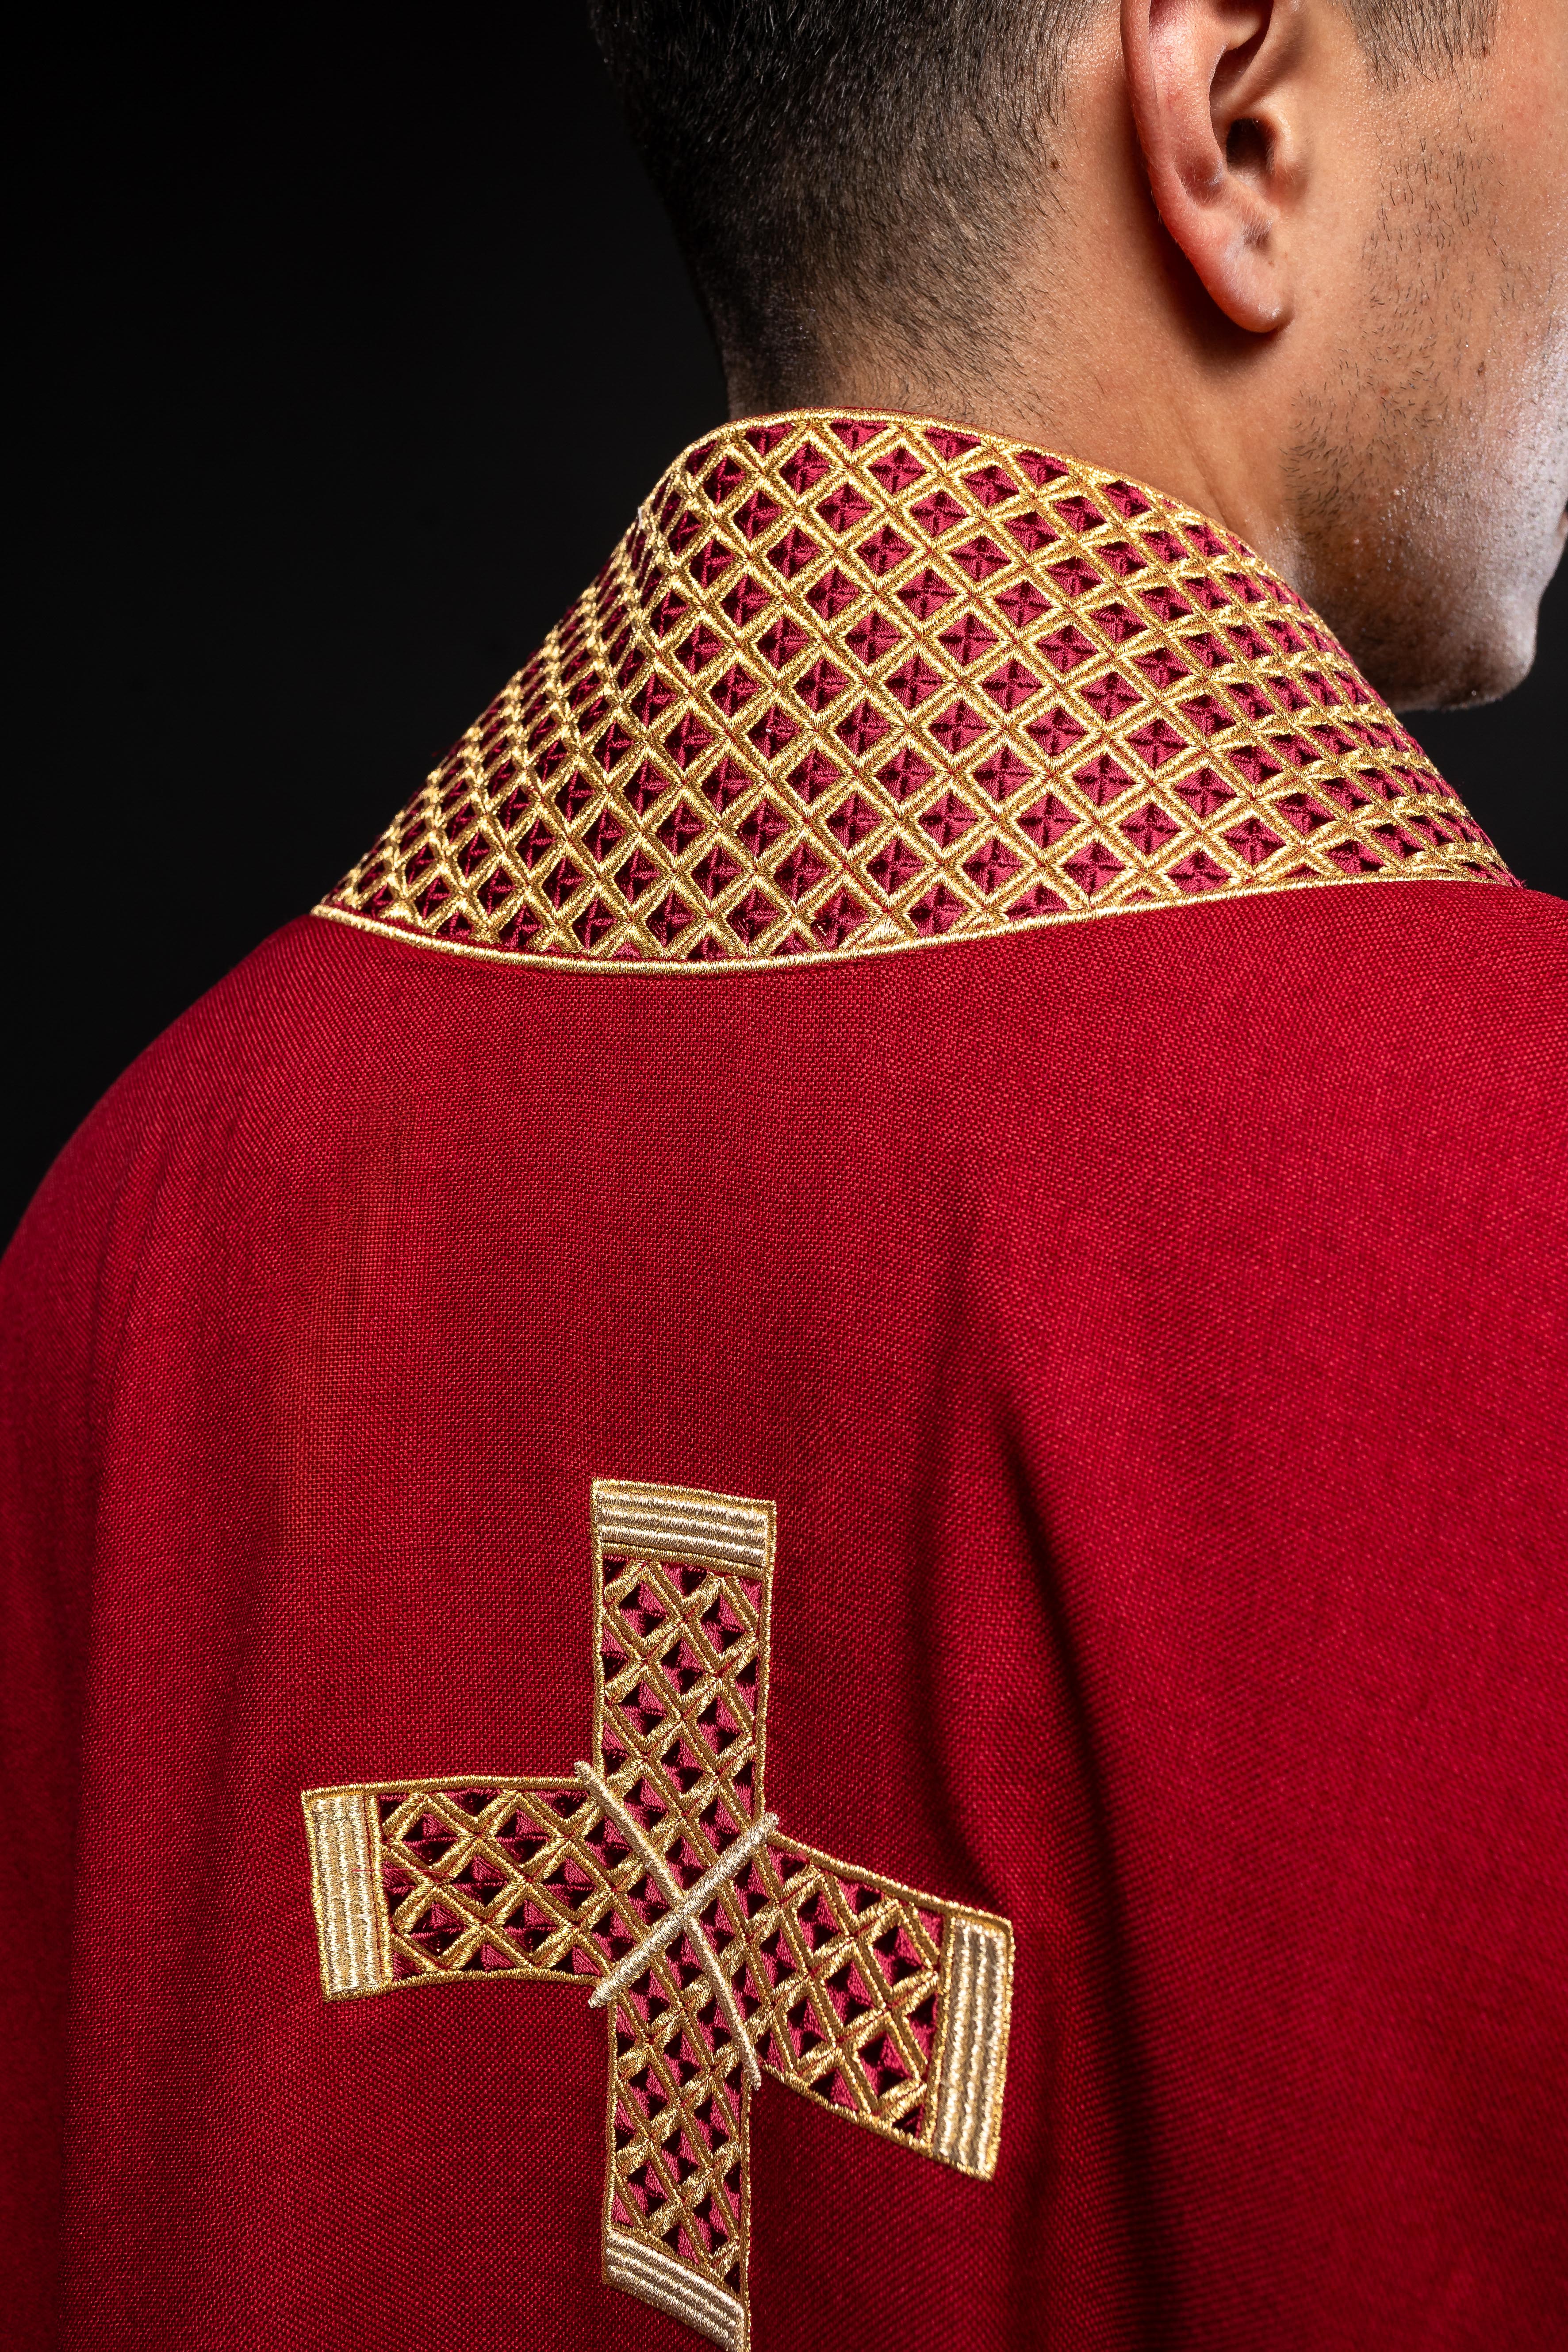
344	358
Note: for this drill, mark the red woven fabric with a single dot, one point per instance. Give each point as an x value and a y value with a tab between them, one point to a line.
1152	1333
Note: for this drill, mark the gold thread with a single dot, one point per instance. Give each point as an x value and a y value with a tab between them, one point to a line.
967	2093
682	1917
639	1532
345	1894
869	1996
671	2288
738	968
1061	683
684	1523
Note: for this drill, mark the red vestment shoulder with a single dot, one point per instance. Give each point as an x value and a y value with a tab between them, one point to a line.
1093	1388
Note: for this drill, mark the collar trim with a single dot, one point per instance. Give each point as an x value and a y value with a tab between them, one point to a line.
855	683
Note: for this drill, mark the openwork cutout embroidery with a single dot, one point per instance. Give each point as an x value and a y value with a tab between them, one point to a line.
719	1947
854	683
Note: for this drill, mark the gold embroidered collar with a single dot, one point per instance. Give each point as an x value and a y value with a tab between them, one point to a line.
853	683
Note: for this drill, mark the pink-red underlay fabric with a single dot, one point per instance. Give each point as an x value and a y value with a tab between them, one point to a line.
1150	1334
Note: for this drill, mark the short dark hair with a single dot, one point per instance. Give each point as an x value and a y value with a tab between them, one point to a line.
828	161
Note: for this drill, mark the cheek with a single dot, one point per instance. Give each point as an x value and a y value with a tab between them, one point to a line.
1530	153
1511	352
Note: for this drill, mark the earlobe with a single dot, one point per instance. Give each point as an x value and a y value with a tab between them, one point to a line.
1208	84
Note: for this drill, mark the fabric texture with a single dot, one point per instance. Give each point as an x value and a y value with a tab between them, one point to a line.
1151	1335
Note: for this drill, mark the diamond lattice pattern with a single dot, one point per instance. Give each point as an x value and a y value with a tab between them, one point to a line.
837	1975
856	682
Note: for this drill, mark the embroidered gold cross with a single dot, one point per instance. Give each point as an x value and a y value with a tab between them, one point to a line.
718	1947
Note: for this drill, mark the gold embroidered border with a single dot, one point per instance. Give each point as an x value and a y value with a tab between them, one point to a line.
854	684
351	1915
972	2066
669	2286
718	1947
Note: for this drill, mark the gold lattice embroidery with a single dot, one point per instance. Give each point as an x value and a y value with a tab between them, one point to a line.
853	683
718	1947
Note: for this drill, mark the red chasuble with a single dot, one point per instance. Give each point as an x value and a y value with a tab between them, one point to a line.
786	1533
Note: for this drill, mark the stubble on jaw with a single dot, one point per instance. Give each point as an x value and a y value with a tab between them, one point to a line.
1400	469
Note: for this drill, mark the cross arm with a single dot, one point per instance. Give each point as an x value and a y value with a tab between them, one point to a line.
422	1882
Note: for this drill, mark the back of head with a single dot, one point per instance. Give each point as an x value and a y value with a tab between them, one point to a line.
1299	262
835	167
832	162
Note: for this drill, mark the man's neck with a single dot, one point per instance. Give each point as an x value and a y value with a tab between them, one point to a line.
1102	344
1165	433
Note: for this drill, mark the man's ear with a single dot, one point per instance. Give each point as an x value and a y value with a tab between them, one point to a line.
1215	94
